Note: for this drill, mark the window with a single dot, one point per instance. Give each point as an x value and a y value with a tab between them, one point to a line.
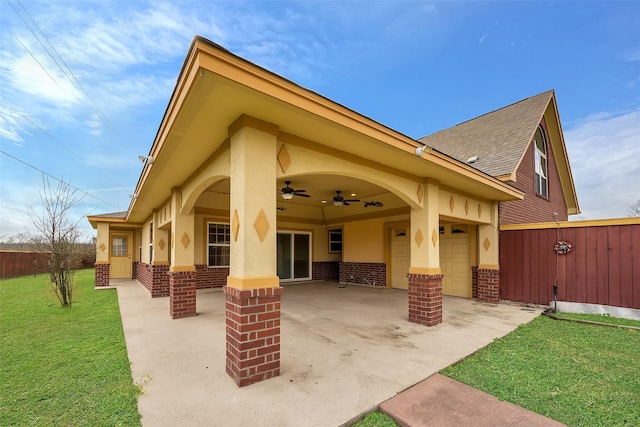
335	240
151	243
219	245
119	246
541	163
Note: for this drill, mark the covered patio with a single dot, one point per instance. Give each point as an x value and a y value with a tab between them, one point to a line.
344	351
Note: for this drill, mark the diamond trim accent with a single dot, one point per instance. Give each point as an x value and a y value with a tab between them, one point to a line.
420	193
235	225
466	207
185	240
479	210
283	159
452	203
161	244
261	224
434	237
419	237
102	247
486	244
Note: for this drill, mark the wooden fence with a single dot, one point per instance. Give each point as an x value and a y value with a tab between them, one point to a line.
22	263
602	267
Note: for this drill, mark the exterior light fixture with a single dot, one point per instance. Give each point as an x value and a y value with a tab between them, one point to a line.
146	159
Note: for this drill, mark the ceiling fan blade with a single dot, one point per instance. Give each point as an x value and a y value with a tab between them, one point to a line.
345	203
352	200
299	191
301	195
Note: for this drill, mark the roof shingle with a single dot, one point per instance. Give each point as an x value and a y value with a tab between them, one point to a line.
498	138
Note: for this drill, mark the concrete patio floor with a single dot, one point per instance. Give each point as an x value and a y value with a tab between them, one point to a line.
343	352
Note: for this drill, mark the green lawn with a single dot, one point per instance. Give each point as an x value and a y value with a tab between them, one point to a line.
377	419
580	375
63	367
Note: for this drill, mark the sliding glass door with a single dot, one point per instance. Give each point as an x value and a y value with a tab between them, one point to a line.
294	255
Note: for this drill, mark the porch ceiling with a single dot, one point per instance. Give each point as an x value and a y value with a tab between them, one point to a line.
319	206
216	87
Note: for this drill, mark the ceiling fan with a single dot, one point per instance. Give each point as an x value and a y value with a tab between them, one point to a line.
338	200
288	192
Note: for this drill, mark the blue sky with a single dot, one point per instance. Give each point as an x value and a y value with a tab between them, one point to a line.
88	105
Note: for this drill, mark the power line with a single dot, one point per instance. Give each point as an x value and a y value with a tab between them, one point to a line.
60	143
38	62
73	79
58	179
77	83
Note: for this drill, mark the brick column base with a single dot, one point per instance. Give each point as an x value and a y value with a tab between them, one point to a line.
182	294
425	299
253	334
102	274
488	285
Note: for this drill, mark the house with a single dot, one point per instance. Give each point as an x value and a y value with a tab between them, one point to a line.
253	181
523	145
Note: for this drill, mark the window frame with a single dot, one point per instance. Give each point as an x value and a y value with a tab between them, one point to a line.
217	244
335	243
541	173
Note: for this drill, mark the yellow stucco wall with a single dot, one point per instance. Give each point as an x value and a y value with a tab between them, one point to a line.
363	241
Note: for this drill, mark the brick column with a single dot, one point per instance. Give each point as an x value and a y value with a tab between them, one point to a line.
488	285
425	299
474	281
182	294
102	274
253	334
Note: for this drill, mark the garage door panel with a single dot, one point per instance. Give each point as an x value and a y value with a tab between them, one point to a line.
455	262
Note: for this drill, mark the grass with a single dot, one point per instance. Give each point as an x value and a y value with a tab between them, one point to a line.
376	419
63	367
580	375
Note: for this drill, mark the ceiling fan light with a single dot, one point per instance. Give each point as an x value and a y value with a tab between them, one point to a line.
338	203
287	196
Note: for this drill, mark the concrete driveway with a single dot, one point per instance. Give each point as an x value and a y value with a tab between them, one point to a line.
343	352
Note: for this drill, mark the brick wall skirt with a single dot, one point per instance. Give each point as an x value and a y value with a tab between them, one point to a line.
325	270
102	274
488	285
474	281
155	278
134	270
182	294
253	334
425	299
366	273
211	277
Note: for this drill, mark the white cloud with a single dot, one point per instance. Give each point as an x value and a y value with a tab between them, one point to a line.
604	151
632	55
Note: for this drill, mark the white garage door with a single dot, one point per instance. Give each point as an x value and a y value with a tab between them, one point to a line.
455	260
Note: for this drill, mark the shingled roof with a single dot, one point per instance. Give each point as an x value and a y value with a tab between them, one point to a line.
498	138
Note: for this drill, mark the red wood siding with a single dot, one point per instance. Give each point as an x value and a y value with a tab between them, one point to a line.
603	268
534	208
